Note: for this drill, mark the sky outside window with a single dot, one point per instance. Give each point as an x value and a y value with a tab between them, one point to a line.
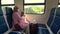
34	1
7	1
58	5
59	1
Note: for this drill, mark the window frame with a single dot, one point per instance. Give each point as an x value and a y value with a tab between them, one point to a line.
27	4
58	2
6	4
35	4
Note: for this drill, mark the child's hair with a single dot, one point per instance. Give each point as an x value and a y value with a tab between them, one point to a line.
22	13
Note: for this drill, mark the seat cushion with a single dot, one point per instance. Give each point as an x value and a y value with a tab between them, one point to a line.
14	33
54	28
42	29
42	25
3	28
3	25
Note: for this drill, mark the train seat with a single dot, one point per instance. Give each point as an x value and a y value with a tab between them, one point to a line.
9	15
55	24
42	29
3	26
54	21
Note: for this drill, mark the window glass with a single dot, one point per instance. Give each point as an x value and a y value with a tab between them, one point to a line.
59	1
7	1
58	5
34	1
37	9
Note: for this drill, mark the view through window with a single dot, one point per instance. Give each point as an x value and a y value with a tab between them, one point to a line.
59	3
34	7
37	9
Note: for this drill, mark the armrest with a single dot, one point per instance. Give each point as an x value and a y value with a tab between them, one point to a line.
58	31
42	29
49	29
8	31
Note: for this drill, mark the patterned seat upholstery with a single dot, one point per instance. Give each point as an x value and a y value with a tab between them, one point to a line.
55	24
9	15
42	29
51	17
3	26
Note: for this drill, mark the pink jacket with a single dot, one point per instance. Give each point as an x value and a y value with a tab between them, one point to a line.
17	19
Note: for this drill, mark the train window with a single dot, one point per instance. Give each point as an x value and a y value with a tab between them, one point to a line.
37	9
7	1
34	1
34	7
58	5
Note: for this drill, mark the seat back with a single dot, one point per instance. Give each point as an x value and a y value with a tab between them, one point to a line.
3	26
51	16
42	29
9	15
56	22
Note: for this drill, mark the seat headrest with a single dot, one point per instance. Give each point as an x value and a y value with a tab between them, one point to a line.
51	16
52	11
3	28
58	12
1	13
8	10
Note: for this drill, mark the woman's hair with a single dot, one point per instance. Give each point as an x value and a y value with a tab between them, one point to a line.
22	13
15	9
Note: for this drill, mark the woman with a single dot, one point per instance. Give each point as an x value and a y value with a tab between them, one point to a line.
19	21
15	17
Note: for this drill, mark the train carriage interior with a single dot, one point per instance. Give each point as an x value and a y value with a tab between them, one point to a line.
43	16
